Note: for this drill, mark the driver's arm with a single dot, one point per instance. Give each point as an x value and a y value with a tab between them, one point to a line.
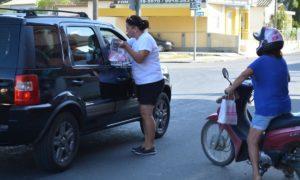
239	80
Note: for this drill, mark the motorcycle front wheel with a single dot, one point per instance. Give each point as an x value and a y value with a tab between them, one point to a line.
296	163
216	144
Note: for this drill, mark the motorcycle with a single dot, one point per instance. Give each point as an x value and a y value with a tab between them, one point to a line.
279	145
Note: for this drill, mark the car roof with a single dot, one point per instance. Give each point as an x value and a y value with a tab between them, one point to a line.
55	20
49	20
31	16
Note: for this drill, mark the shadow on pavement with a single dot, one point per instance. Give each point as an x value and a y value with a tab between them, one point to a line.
108	153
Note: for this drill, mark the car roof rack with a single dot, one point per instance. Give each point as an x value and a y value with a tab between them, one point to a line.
32	12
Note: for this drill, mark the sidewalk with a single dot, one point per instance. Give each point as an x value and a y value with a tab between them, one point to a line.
201	57
204	57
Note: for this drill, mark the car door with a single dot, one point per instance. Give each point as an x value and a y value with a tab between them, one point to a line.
82	77
127	106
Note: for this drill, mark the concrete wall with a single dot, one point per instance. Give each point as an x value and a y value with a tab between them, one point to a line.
179	30
113	20
89	10
222	42
215	16
256	19
232	21
269	11
29	6
261	16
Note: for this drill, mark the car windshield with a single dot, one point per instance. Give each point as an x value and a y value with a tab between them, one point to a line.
9	45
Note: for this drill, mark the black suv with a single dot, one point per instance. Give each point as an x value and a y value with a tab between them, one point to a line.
57	83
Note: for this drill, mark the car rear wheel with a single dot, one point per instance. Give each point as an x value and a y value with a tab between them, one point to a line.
58	148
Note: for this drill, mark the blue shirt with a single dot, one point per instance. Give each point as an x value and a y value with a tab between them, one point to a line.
270	82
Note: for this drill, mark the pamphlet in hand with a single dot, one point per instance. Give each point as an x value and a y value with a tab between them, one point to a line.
118	56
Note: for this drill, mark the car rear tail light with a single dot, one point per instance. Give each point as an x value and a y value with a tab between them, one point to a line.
27	90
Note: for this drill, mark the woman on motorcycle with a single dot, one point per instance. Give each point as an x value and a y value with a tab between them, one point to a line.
270	79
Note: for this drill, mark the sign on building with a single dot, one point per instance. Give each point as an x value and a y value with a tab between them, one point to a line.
197	4
199	12
155	1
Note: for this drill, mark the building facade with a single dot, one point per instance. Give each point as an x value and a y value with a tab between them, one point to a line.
221	21
20	4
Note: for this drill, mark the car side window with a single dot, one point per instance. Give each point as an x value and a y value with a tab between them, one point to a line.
84	46
47	47
108	35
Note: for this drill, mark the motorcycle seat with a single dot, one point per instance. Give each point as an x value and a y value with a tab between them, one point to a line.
284	121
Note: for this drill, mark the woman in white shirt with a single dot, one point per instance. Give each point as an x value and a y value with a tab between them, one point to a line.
147	74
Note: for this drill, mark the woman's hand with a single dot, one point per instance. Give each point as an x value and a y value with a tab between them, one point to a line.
123	44
137	56
229	90
239	80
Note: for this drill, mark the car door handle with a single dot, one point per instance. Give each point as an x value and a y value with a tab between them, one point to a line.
122	79
77	82
4	84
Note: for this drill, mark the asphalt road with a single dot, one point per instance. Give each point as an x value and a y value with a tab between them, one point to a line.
106	154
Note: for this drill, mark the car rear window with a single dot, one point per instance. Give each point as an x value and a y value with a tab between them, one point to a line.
48	51
9	45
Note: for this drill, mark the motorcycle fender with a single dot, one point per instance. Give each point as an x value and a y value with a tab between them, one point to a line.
281	138
213	117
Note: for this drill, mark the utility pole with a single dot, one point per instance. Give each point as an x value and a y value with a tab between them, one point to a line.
195	35
195	5
135	5
138	7
95	9
275	15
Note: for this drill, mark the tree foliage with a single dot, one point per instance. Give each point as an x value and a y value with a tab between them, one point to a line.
281	18
293	5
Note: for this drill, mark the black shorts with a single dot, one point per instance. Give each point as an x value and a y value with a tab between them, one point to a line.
147	94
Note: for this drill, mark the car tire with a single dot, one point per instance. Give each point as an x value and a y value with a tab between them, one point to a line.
161	114
58	148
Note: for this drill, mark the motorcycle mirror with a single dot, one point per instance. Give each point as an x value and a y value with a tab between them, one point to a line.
226	74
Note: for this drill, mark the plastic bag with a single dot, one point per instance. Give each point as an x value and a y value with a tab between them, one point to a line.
227	113
118	56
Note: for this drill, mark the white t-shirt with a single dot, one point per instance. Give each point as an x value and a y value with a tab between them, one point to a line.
149	70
